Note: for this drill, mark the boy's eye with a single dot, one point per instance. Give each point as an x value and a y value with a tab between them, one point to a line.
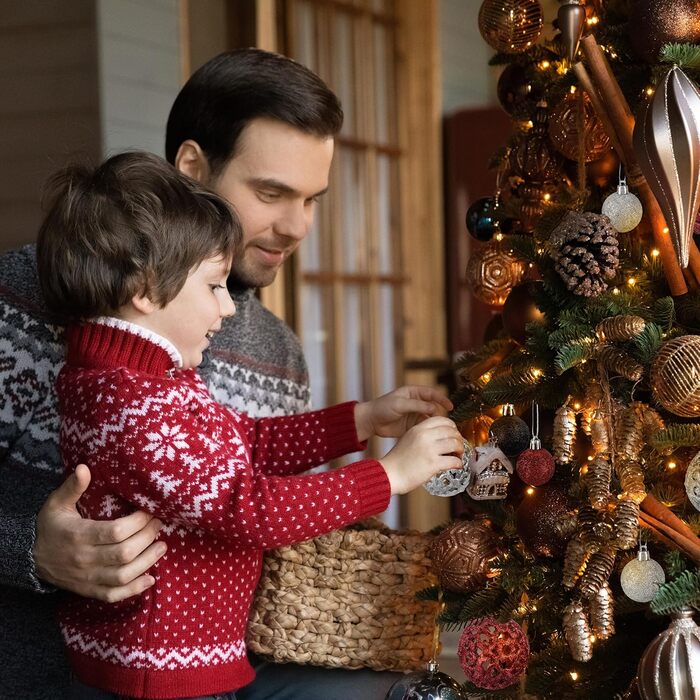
217	286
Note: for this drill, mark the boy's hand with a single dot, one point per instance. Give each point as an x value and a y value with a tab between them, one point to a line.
393	414
428	448
106	560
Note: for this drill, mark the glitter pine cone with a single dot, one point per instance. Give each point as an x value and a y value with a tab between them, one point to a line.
493	654
585	251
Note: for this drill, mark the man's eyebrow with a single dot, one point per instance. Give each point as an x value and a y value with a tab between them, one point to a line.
281	187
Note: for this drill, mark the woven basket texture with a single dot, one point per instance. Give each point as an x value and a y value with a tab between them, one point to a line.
347	600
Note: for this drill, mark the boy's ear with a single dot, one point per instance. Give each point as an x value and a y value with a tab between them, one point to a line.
143	304
192	161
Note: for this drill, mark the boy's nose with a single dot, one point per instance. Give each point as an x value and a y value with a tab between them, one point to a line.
227	306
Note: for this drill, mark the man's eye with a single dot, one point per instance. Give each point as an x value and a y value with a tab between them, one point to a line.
268	196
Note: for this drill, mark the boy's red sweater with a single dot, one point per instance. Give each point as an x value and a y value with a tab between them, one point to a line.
225	487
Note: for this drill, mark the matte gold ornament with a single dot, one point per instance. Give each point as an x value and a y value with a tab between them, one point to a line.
670	665
618	329
623	208
571	19
620	363
598	570
577	631
564	125
564	434
476	430
574	561
667	144
626	524
492	272
601	610
631	477
510	26
599	433
597	481
675	376
629	436
461	554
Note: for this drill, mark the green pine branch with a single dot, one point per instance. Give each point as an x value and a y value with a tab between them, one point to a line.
664	312
677	435
646	345
571	333
682	592
684	55
572	355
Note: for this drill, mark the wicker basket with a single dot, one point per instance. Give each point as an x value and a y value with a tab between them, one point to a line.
346	600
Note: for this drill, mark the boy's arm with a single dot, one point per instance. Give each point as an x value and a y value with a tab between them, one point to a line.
292	444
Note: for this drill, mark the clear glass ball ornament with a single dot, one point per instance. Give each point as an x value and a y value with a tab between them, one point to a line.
642	577
452	481
623	209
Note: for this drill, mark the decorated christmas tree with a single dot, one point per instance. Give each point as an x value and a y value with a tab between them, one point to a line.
582	415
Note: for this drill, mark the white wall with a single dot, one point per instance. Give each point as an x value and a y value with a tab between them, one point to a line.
140	71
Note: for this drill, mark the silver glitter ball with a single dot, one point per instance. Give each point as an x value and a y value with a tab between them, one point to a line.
642	577
452	481
692	481
623	209
670	666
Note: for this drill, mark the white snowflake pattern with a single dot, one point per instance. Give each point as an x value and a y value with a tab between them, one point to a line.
166	442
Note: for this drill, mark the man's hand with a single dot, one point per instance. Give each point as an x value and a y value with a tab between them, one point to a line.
394	413
106	560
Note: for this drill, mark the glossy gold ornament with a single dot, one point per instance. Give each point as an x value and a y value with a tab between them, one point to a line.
577	631
670	665
564	125
667	145
571	19
476	430
675	376
602	607
510	26
492	272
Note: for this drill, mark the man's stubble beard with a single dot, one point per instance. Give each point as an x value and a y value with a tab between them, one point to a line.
251	276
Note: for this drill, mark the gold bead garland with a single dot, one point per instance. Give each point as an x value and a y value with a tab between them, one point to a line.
618	329
577	631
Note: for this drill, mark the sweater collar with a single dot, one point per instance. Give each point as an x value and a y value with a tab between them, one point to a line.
108	342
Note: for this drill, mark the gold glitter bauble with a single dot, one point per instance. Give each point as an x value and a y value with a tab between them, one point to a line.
492	272
460	555
675	376
510	26
563	128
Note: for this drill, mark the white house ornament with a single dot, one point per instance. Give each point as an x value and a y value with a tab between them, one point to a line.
452	481
491	471
623	208
692	481
642	577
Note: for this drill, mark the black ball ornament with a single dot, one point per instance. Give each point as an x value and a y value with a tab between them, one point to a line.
516	89
520	309
426	685
511	432
481	222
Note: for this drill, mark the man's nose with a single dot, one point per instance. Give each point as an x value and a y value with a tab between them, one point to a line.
296	221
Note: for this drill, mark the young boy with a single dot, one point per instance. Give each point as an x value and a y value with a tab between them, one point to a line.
138	257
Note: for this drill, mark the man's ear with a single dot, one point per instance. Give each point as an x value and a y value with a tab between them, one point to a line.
191	160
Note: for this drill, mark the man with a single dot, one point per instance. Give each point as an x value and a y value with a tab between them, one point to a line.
259	129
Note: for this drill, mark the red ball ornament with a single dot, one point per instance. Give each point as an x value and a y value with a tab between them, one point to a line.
493	654
535	466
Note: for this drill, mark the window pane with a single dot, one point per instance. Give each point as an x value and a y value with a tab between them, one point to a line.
344	69
305	39
310	253
353	243
314	339
385	201
353	341
387	339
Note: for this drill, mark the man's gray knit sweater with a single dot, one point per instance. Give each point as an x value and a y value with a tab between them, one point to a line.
255	365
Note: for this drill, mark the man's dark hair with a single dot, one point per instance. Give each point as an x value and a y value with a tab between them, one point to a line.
233	88
133	225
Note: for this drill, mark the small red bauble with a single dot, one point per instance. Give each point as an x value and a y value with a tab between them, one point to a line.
493	654
535	466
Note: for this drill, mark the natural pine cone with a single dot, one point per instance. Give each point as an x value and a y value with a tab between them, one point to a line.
598	570
617	329
626	524
585	251
564	434
577	631
629	437
597	480
595	528
617	362
631	478
601	609
574	561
